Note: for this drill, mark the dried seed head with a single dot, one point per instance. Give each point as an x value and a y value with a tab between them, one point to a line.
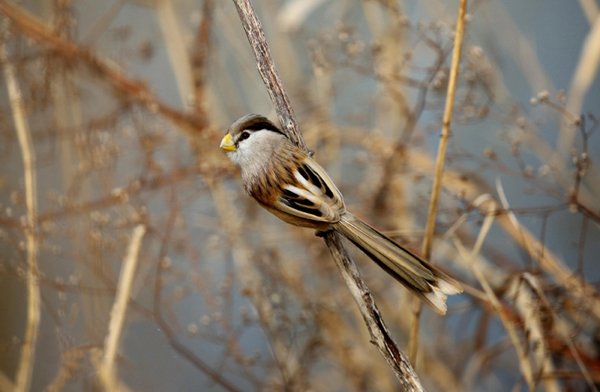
543	96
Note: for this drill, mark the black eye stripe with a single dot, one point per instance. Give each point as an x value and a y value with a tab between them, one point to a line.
259	125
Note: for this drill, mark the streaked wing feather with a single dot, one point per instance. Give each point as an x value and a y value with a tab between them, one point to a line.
330	191
304	204
314	196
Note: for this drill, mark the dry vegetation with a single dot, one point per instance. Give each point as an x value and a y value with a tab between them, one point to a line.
110	121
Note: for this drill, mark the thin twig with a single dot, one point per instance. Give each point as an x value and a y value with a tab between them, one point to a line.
439	165
26	363
117	316
268	72
379	333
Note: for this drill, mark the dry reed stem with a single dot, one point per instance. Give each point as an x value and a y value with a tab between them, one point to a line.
439	166
584	76
508	324
117	316
380	336
413	338
25	370
441	156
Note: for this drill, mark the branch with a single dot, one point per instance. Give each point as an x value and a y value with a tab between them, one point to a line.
268	72
379	333
380	336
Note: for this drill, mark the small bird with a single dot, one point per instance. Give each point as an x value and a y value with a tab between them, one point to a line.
287	182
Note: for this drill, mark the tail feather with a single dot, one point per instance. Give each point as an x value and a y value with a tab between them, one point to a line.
424	280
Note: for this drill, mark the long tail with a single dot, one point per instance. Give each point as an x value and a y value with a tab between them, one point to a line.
422	279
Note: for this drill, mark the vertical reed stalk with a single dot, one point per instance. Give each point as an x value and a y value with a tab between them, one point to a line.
439	165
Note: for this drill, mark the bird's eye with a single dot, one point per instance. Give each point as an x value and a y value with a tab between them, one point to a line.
245	135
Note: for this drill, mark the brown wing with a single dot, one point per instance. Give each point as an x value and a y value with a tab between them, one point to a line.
314	196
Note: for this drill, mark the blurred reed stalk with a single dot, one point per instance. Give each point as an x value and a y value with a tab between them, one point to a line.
25	369
117	316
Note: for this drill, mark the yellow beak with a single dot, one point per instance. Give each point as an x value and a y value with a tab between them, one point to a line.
227	143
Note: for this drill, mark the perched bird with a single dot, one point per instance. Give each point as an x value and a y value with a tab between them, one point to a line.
287	182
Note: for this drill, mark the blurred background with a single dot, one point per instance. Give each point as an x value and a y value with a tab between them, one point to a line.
120	105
